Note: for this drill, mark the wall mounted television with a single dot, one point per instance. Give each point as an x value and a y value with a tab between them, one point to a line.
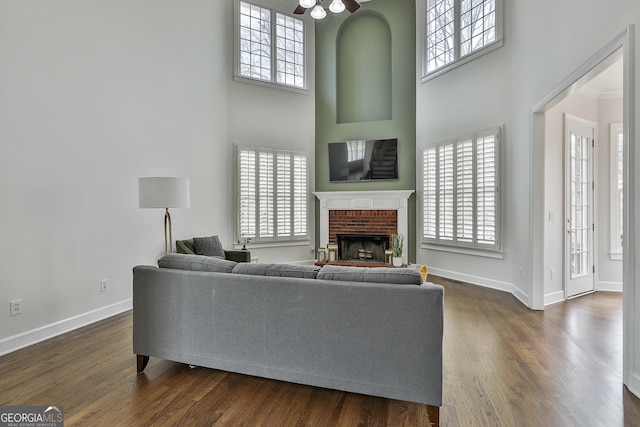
363	160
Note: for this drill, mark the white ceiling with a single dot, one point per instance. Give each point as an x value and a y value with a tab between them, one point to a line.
607	84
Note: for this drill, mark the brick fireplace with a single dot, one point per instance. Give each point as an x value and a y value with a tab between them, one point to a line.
362	221
363	212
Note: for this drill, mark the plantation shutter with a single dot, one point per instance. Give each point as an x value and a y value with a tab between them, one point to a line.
446	190
284	196
247	193
300	191
486	190
272	195
265	194
460	200
464	191
429	191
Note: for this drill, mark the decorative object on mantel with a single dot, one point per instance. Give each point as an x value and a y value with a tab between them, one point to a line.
397	243
333	252
322	254
388	256
318	12
164	192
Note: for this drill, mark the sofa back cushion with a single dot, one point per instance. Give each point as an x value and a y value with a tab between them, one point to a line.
400	276
278	270
196	263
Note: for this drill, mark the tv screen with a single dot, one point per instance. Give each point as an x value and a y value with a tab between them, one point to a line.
370	160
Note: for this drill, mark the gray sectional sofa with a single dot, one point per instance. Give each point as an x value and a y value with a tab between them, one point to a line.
375	331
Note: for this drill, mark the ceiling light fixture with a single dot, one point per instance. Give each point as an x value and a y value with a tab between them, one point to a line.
318	12
337	6
307	3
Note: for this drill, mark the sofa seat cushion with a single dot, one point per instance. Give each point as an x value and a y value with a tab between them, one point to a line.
196	263
278	270
210	246
400	276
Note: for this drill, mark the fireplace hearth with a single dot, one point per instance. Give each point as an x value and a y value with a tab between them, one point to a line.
362	247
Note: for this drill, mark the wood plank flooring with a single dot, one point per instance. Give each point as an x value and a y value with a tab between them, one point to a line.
504	365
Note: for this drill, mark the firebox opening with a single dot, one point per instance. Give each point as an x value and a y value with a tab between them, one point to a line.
362	247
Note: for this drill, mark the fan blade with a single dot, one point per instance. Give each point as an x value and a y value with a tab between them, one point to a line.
300	10
351	5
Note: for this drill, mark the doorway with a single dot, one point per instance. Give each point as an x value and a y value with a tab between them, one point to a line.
620	47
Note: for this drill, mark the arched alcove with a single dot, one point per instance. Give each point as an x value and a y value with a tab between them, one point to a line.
363	69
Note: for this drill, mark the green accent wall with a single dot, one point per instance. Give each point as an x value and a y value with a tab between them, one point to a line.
352	83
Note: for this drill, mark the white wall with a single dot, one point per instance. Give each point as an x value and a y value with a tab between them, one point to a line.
473	97
545	41
94	95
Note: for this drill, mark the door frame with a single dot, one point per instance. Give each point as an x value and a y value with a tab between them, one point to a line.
593	196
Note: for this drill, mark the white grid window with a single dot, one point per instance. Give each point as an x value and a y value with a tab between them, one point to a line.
268	52
456	29
272	195
255	42
460	198
617	182
440	33
290	50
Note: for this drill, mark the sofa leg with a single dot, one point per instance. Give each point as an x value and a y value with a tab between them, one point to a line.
142	362
434	415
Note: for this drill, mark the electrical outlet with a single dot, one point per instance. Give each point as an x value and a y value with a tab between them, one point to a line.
104	285
15	307
553	274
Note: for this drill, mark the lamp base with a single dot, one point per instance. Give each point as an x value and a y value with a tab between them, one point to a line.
168	244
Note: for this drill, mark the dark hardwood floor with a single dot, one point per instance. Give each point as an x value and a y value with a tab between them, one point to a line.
504	365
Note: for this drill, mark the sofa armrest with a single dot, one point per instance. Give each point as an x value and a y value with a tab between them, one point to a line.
238	256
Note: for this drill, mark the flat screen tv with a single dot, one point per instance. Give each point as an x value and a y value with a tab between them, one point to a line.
370	160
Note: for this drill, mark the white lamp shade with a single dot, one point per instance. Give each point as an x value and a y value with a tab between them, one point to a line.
318	12
337	6
163	192
307	3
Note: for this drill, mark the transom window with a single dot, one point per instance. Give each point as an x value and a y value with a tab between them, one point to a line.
460	191
271	46
272	199
459	30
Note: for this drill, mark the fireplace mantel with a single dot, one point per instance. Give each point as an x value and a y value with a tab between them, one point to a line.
367	200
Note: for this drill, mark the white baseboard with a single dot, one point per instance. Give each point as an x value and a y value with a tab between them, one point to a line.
610	286
25	339
554	298
634	384
476	280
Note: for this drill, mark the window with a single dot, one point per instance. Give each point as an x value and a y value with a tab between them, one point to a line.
270	47
273	188
457	31
617	180
460	192
355	150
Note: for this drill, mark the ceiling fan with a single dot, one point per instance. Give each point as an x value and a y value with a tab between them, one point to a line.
318	12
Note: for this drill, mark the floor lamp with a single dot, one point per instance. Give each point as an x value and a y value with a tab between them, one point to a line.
164	192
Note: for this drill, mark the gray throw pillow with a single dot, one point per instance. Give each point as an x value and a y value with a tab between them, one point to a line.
196	263
400	276
209	246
